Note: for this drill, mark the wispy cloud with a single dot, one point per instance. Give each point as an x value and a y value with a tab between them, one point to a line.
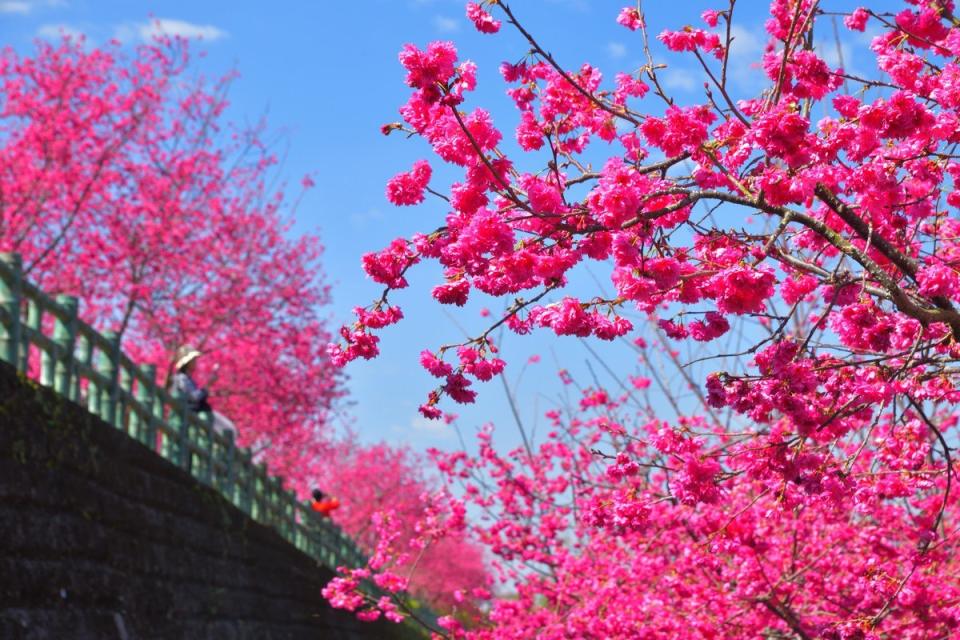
57	31
677	78
616	50
23	7
179	28
746	46
421	431
432	428
15	6
745	52
362	220
443	24
842	57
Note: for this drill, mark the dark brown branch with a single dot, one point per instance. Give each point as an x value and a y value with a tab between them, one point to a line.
785	613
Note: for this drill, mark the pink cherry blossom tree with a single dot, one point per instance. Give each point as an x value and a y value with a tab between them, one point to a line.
120	183
807	489
380	485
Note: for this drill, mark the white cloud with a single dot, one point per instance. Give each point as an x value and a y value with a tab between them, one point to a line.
745	52
23	7
432	428
746	46
867	36
616	50
675	78
362	220
443	24
179	28
57	31
124	33
15	6
842	58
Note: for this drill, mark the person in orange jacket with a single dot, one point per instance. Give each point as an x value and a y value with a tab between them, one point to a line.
323	504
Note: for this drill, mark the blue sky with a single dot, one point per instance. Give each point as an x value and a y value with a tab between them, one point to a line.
326	76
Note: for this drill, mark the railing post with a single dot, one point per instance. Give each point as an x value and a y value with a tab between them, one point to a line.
185	443
310	531
260	489
271	493
278	509
245	487
205	445
93	389
48	356
290	515
125	410
180	453
10	292
298	540
228	480
228	483
276	487
161	437
65	336
107	367
169	435
33	326
145	427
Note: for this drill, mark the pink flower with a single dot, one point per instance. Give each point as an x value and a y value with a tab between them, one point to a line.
457	388
430	412
794	289
407	188
427	68
630	18
714	326
629	86
742	289
481	19
690	39
673	329
388	266
939	280
378	319
529	132
513	72
437	368
679	130
846	105
696	481
857	21
452	292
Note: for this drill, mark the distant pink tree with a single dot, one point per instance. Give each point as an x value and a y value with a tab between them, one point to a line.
120	183
380	484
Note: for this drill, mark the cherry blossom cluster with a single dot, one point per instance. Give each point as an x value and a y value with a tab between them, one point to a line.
802	239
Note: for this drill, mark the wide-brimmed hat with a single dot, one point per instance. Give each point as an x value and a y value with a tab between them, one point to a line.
185	355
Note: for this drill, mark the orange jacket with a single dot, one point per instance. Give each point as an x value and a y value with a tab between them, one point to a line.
325	506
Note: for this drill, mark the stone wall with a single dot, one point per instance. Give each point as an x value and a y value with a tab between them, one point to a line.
101	538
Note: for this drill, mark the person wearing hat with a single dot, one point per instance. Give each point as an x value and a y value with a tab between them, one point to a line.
197	398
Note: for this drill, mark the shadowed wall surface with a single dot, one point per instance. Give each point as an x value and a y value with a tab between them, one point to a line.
101	538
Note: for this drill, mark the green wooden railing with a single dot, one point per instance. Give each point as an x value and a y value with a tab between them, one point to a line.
90	369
